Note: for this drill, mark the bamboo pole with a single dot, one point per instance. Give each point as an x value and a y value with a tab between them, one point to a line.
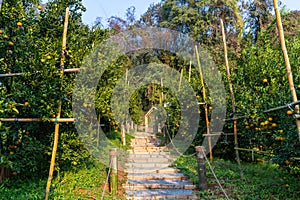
205	105
181	76
232	101
287	63
56	132
190	71
20	74
216	134
55	120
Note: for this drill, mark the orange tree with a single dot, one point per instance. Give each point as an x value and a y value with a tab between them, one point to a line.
30	42
261	83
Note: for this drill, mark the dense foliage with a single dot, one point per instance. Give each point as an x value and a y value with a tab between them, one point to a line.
30	42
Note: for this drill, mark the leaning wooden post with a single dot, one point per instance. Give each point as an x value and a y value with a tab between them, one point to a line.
56	131
201	167
232	101
287	63
205	105
113	176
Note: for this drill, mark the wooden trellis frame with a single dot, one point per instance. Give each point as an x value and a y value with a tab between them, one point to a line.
56	120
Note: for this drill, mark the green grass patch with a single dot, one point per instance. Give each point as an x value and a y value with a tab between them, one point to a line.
85	182
261	181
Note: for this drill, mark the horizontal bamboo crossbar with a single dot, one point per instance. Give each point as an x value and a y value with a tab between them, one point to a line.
252	150
216	134
282	107
66	120
19	74
294	158
11	75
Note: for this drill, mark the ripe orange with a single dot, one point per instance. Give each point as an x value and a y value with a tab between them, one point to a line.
19	24
298	86
11	44
40	7
48	57
289	112
14	173
262	124
274	125
265	80
1	31
247	127
266	122
43	60
280	131
270	119
26	103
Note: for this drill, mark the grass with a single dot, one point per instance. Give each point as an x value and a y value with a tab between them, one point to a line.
261	181
86	182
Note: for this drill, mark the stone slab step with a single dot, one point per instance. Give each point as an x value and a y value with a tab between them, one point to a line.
156	176
150	155
151	170
148	164
132	151
158	184
146	145
149	159
161	194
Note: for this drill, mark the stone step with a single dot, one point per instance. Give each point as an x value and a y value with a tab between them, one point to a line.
149	159
157	152
148	164
134	145
151	170
156	176
158	184
150	155
160	194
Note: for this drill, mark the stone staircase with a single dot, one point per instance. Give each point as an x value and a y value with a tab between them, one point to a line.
150	173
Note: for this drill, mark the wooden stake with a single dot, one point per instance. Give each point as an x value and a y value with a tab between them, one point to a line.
190	71
201	170
205	105
56	131
113	176
232	100
287	62
181	76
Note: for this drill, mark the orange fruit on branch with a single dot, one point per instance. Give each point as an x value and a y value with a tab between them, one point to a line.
19	24
289	112
265	80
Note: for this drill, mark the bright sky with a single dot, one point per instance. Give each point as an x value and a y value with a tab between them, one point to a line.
108	8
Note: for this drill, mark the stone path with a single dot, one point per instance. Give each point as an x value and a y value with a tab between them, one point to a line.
150	172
